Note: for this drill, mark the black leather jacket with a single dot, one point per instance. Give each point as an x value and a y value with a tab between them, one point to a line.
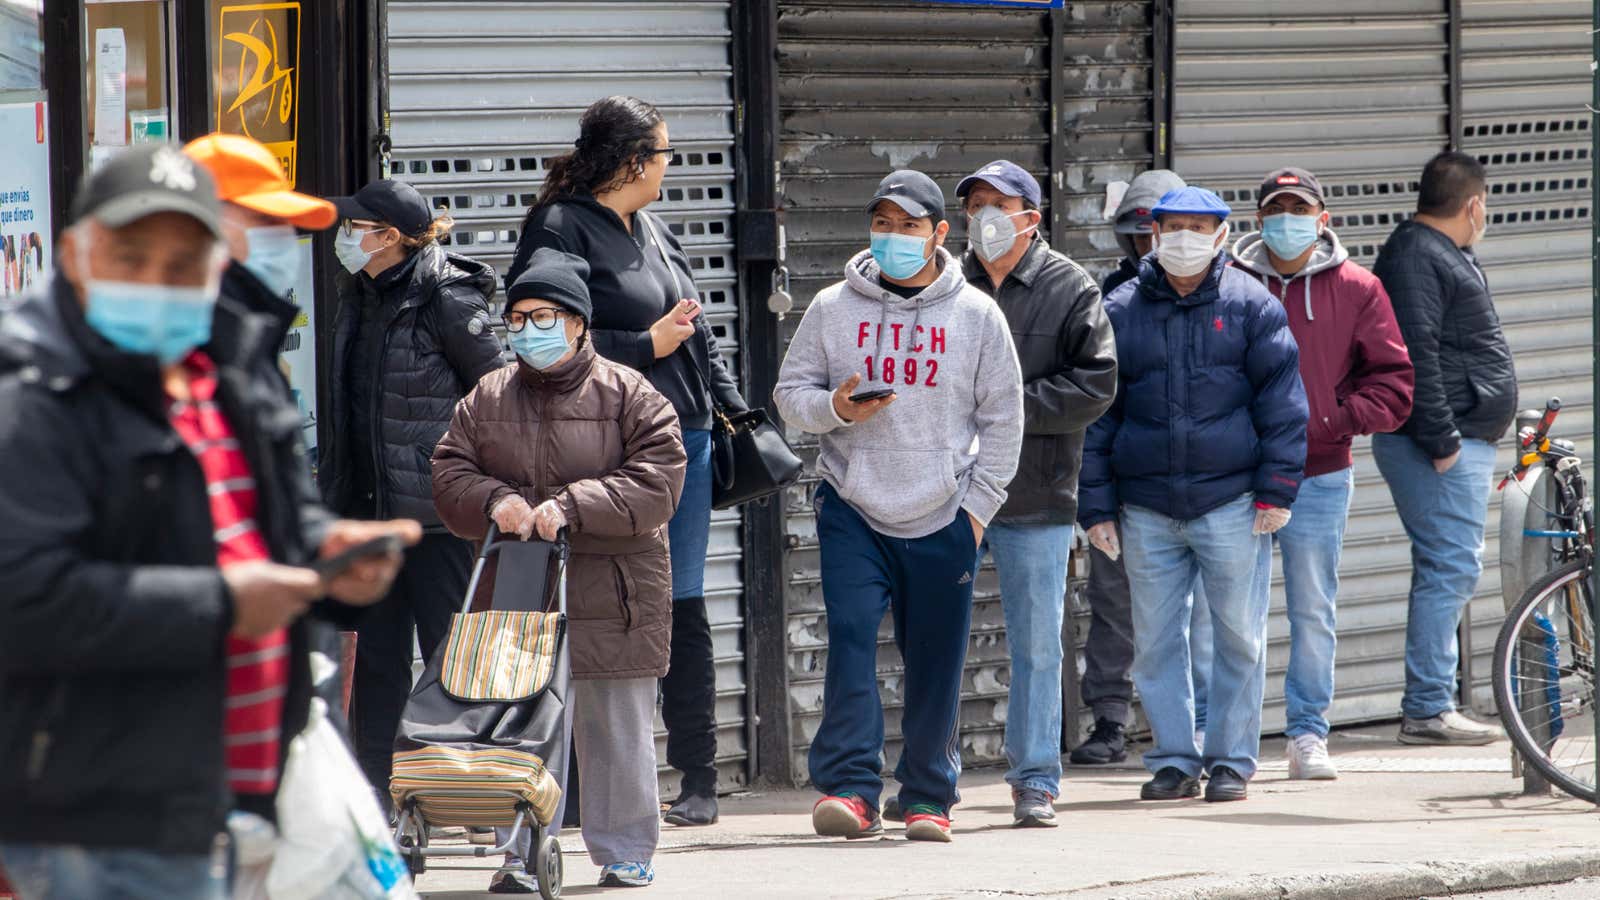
436	344
1069	371
1466	384
112	620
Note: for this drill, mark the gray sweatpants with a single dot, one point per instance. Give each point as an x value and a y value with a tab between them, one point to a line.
620	806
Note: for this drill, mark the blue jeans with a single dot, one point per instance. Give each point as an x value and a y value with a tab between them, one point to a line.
73	871
1444	515
1311	544
689	531
1032	561
926	585
1164	556
1201	639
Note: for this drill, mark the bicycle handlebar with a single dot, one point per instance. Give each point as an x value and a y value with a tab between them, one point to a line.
1532	444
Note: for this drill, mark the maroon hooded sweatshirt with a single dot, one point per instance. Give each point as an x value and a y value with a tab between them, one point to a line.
1353	359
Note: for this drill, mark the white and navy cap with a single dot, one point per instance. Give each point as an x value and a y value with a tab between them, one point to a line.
913	192
1006	177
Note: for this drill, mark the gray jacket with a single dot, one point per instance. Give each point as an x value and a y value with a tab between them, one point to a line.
951	439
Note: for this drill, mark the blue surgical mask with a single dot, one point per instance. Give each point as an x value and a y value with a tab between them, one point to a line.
540	348
1288	235
348	248
274	257
899	256
151	319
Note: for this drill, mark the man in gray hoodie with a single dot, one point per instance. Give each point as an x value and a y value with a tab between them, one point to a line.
909	375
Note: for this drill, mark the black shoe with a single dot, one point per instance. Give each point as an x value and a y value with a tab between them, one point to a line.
1226	785
891	810
692	810
1170	784
1106	745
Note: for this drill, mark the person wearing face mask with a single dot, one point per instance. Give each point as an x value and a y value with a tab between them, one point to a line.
1069	370
1199	459
1358	380
565	438
410	338
1440	463
647	315
909	375
158	530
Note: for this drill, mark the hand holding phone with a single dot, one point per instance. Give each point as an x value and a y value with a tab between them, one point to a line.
334	566
854	407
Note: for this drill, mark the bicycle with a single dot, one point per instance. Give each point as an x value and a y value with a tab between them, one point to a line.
1544	657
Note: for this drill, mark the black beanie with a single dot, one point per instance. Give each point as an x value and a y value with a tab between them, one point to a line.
555	276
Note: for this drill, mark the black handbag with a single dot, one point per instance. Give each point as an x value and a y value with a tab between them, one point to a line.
749	457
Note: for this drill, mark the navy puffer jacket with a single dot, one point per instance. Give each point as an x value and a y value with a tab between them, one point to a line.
1209	401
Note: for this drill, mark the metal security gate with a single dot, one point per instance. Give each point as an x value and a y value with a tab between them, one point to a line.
483	93
860	94
1358	95
1525	89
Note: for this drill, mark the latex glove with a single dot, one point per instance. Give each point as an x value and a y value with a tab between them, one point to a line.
1270	520
1104	538
549	520
514	516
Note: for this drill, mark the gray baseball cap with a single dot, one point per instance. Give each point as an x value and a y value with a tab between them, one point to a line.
913	192
144	180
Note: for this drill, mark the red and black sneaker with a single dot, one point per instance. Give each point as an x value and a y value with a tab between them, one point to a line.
845	815
926	822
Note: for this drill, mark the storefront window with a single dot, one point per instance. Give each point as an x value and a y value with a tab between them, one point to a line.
25	254
128	66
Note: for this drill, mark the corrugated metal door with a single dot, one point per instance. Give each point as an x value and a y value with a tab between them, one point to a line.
1525	89
1360	96
484	93
860	95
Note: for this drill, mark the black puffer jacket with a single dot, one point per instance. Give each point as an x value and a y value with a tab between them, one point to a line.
1069	372
113	615
1466	384
436	343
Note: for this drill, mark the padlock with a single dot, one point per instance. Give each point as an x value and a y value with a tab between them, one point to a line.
780	301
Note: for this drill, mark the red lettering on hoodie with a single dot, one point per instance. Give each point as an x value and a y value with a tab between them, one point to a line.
917	347
896	329
861	334
936	340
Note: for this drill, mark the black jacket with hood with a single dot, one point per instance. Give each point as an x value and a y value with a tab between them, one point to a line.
113	620
1466	384
631	290
435	344
1069	371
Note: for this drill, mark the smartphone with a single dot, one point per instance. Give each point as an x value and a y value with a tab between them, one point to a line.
866	396
334	566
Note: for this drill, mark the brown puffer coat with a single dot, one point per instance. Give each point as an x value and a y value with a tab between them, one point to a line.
597	437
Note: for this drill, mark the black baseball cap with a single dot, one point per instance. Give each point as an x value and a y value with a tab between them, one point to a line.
390	202
144	180
1294	181
913	192
1006	177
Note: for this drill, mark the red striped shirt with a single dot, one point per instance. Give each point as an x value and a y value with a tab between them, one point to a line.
258	670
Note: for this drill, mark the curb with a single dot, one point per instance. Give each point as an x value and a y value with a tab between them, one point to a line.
1389	882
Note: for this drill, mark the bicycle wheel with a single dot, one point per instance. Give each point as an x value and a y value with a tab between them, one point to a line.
1544	672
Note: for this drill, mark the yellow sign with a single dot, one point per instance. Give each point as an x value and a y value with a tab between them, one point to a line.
258	77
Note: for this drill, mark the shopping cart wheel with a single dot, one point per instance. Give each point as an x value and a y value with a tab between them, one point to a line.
545	867
416	863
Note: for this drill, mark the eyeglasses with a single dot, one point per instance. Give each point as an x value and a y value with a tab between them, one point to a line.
542	319
670	151
351	226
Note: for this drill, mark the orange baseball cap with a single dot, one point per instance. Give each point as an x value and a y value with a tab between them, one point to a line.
248	174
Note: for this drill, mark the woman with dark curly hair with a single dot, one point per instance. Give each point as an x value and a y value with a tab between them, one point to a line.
646	317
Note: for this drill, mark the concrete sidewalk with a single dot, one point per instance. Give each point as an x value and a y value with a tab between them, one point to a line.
1399	822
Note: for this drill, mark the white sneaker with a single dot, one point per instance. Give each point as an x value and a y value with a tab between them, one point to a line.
1448	728
1308	759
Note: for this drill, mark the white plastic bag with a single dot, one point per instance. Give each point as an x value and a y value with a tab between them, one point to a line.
333	841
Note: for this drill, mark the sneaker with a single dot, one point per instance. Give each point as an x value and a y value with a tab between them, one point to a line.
1106	745
1226	786
1448	729
1308	759
1032	809
627	874
891	811
513	881
692	810
1170	784
926	822
845	815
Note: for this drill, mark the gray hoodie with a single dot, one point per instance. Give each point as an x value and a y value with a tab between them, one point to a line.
950	440
1145	191
1250	253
